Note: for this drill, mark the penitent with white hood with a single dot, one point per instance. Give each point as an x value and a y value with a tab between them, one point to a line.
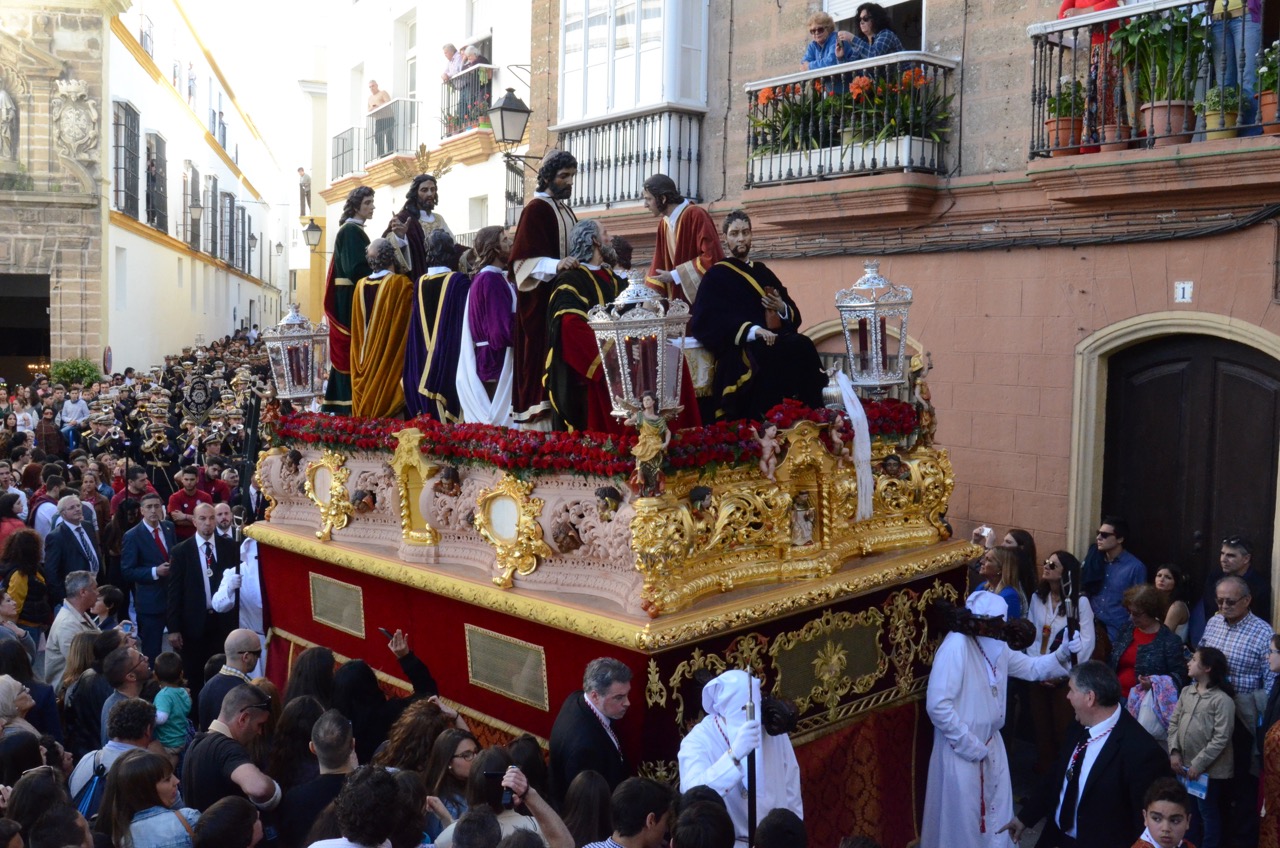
714	753
968	798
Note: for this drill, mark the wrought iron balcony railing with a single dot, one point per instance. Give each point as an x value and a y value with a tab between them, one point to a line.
346	152
616	154
1149	75
465	100
890	113
391	129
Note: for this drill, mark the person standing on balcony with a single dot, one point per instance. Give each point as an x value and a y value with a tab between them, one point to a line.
1237	40
539	252
452	63
304	197
379	98
877	37
688	244
414	222
828	47
1104	75
347	267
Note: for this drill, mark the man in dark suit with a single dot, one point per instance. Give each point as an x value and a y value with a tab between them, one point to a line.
583	736
71	546
196	630
144	560
1093	795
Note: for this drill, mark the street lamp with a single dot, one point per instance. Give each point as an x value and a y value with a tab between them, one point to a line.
196	210
279	249
509	117
253	242
312	235
867	310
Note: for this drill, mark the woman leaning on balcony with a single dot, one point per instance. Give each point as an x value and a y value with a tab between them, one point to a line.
827	46
876	35
1104	74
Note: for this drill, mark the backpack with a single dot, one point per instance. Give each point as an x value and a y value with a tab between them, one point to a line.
89	797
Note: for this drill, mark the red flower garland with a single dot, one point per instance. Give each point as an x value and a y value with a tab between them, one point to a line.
528	452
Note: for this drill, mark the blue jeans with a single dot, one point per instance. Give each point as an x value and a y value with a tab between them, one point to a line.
1229	38
1211	814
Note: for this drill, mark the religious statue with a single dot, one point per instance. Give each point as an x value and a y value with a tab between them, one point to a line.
923	399
607	500
801	520
8	127
448	483
768	449
650	451
842	450
894	468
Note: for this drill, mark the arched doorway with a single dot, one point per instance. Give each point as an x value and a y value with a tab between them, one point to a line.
1192	442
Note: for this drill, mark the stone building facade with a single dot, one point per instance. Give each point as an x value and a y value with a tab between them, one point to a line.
51	221
1076	374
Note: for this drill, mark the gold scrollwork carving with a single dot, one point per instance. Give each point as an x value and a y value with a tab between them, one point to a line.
654	691
697	662
663	771
333	500
831	684
257	480
507	518
412	471
909	631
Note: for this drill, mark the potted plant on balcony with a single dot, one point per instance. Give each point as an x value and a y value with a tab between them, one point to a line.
1268	70
1164	52
903	120
1066	117
1220	108
795	128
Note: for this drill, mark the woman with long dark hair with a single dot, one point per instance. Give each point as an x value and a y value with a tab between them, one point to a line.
311	674
137	804
24	581
291	761
446	776
1173	583
587	811
410	740
10	521
1024	547
357	695
875	35
1059	610
128	514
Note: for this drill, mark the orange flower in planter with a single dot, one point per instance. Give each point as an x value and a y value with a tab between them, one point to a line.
766	96
859	87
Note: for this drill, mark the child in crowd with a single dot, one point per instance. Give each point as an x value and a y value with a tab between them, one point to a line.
1200	735
1166	811
173	705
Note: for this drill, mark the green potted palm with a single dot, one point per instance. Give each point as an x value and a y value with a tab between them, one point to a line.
1220	108
1065	107
1164	52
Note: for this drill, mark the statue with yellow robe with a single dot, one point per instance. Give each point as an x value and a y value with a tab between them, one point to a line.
380	311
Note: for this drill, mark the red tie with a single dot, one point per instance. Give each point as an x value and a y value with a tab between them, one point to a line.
164	552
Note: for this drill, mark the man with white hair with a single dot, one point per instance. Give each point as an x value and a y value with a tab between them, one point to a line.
70	546
969	796
715	751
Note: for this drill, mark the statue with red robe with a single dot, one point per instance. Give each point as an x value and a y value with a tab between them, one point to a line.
347	267
540	252
687	244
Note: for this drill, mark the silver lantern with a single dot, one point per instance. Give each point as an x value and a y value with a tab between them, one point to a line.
641	341
299	355
869	310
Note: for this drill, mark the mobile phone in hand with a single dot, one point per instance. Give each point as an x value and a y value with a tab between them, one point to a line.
495	792
385	632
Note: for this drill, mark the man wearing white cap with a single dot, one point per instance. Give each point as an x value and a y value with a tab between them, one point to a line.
968	798
714	753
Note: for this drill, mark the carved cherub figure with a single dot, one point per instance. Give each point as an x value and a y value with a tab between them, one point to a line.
768	449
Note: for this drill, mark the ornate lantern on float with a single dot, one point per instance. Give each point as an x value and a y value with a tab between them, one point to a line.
641	340
299	355
869	310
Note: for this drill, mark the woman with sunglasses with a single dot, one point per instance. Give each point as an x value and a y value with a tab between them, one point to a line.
875	34
137	804
1056	606
827	47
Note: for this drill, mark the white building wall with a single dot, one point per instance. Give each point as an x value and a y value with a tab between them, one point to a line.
161	295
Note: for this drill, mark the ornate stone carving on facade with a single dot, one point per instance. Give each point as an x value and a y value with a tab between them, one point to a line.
8	126
75	119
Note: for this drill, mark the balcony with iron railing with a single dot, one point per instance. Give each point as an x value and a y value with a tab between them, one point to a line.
391	130
617	153
465	100
890	113
346	153
1145	75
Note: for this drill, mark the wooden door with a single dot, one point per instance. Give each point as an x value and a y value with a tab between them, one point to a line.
1192	442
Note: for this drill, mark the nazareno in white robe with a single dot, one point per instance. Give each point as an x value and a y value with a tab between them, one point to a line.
705	758
969	789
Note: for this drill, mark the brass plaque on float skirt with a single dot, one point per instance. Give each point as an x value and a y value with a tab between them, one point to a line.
507	666
338	605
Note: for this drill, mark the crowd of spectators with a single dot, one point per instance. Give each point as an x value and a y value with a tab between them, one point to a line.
1196	670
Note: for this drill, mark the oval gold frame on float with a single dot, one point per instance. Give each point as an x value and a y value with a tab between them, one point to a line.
331	498
507	518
